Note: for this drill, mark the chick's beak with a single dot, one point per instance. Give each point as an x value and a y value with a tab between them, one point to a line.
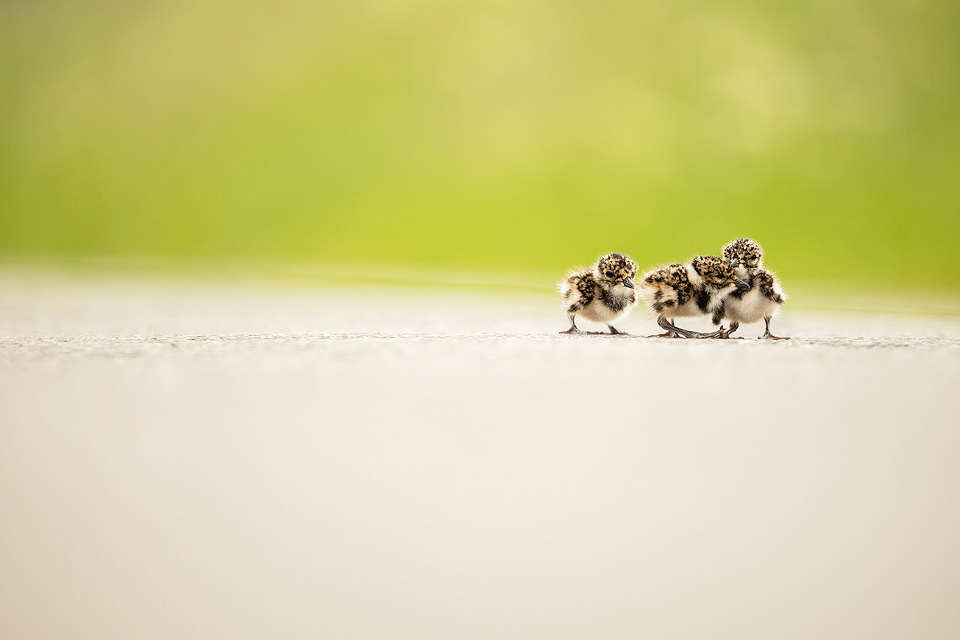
742	285
628	283
735	263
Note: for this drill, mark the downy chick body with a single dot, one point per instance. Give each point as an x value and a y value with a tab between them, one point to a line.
603	293
696	288
761	301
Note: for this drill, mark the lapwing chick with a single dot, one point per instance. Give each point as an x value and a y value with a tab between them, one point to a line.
697	288
761	301
603	293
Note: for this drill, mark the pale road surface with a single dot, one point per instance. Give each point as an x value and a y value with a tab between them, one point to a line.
196	463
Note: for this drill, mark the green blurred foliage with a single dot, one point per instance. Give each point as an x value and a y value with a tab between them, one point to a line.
511	134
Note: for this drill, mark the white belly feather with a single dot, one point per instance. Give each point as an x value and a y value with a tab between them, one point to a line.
602	313
752	307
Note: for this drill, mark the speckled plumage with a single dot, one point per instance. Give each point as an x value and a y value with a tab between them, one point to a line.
764	297
696	288
602	293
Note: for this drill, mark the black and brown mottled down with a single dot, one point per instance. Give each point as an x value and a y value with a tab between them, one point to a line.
581	291
761	301
714	270
671	285
766	284
743	251
602	293
693	289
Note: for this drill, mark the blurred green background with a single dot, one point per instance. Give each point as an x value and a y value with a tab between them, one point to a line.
514	136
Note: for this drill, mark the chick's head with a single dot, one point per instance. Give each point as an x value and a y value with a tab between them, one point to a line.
743	252
615	269
715	271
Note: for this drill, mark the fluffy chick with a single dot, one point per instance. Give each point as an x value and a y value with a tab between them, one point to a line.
602	293
696	288
764	297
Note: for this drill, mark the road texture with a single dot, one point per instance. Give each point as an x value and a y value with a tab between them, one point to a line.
187	462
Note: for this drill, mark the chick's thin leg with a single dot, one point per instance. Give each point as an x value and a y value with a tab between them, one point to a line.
734	325
673	331
718	315
719	333
573	325
616	332
664	323
769	336
686	333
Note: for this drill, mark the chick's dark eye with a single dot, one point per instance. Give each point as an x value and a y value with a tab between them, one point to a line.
609	274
